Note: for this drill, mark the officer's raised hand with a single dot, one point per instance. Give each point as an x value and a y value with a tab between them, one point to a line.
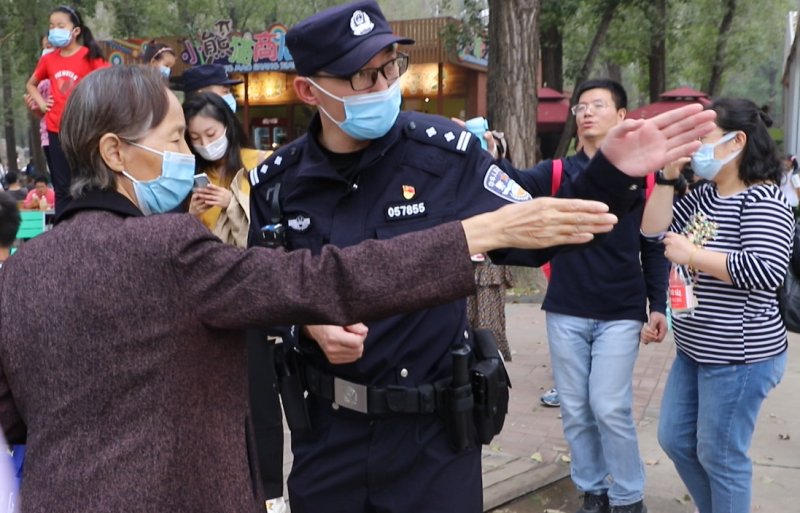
638	147
538	223
341	344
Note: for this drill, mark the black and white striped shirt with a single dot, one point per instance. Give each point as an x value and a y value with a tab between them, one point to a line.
738	322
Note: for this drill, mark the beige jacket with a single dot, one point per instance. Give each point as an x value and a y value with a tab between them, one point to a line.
234	222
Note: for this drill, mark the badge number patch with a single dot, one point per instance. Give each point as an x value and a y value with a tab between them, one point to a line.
500	184
400	211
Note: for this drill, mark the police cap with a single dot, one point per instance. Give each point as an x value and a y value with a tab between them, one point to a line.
206	75
340	40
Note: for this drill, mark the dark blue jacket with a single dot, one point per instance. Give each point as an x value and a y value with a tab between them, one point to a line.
604	281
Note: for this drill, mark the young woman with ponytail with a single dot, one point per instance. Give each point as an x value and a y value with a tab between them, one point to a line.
76	55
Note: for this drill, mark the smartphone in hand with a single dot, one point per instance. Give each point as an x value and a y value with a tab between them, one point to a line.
201	180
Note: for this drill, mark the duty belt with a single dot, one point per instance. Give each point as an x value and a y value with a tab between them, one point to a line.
374	400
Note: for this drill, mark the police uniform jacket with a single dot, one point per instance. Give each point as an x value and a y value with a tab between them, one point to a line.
425	171
122	360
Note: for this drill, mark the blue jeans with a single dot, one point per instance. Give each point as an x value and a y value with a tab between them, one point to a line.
707	419
593	370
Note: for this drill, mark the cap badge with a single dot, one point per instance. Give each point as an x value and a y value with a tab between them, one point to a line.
409	191
360	23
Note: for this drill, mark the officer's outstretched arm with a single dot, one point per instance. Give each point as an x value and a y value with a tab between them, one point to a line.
538	223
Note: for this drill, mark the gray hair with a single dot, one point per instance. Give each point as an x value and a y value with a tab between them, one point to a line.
123	100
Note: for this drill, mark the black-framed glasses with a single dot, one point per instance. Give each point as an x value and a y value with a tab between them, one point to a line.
366	78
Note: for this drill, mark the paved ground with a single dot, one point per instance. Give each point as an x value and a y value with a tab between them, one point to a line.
534	429
530	455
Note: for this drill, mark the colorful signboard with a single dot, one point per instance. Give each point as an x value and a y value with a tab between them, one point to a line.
242	52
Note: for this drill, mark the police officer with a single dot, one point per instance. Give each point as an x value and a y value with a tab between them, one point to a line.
367	171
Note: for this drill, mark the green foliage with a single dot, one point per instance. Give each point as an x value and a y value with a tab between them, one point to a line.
470	25
753	61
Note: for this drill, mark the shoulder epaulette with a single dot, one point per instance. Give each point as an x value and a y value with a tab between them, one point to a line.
439	132
276	163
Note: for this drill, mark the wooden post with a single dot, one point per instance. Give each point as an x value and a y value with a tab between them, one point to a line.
439	91
246	113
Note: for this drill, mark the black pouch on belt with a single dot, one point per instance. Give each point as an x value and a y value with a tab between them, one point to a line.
490	384
290	385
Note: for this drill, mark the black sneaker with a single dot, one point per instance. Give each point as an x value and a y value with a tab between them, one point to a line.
593	503
636	507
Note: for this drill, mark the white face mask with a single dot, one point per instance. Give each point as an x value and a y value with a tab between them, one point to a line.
215	150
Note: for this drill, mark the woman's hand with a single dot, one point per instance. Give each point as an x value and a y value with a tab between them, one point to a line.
214	196
679	249
655	329
197	206
673	169
45	106
33	106
341	344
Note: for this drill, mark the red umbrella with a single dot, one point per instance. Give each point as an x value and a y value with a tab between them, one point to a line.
670	100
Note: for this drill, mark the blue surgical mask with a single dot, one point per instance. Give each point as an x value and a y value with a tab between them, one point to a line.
230	100
703	162
367	116
59	37
165	71
166	192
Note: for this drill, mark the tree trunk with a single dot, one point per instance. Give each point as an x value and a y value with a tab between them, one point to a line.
586	68
718	64
513	61
614	71
185	16
553	58
35	144
657	60
8	104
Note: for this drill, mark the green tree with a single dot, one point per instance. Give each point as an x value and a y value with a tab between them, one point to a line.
718	64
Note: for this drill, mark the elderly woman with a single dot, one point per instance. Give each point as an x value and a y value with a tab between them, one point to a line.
130	383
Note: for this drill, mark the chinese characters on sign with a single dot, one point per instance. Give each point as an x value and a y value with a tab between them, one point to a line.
239	51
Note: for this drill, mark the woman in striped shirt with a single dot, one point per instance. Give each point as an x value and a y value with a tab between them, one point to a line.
734	236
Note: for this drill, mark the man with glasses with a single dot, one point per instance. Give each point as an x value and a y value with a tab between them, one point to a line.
596	305
377	439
